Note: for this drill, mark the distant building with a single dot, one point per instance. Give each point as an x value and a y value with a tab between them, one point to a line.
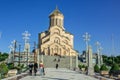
56	40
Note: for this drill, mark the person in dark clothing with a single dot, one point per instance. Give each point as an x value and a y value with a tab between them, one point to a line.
43	71
58	59
30	68
57	66
35	68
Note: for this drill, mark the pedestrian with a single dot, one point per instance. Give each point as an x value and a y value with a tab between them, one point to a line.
58	59
35	68
41	68
30	68
57	66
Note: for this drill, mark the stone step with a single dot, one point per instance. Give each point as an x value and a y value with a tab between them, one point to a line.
50	62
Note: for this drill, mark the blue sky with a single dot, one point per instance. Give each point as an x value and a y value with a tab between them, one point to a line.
100	18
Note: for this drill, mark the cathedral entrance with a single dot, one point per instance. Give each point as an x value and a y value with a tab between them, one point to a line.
55	54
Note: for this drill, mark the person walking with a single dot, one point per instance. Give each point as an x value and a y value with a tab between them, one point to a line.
30	68
57	66
35	68
41	68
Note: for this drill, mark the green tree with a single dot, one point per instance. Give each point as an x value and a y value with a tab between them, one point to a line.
96	68
103	68
3	56
10	66
115	69
3	68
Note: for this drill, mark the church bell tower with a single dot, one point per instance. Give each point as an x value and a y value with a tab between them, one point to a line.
56	19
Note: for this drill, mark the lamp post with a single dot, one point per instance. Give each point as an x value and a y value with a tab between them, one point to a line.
86	37
35	52
11	53
19	53
98	53
101	58
14	42
27	56
26	38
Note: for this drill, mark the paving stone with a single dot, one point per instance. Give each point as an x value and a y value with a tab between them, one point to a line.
59	74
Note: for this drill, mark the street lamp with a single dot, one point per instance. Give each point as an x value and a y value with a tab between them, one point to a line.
101	58
11	53
86	37
19	53
14	42
34	51
27	56
26	38
98	53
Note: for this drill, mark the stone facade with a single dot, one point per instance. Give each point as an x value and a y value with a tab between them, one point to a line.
56	41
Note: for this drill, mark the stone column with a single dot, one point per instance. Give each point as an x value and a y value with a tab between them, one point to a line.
70	61
76	61
90	62
38	57
101	60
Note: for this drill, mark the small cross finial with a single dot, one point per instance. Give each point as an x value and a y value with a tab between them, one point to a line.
56	7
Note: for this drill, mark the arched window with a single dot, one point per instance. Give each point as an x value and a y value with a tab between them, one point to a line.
64	47
56	49
57	40
52	22
60	22
56	21
51	50
66	41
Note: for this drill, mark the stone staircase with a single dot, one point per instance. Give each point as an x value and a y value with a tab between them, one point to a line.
63	62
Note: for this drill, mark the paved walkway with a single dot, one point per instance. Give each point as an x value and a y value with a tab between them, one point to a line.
59	74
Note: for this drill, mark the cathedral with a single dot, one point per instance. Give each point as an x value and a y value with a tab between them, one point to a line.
56	40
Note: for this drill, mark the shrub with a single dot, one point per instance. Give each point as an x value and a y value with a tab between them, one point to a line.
80	66
103	68
96	68
3	68
10	66
115	69
22	65
83	66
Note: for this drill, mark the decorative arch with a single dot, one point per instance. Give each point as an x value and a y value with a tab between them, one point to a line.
68	52
56	49
66	41
56	31
57	40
